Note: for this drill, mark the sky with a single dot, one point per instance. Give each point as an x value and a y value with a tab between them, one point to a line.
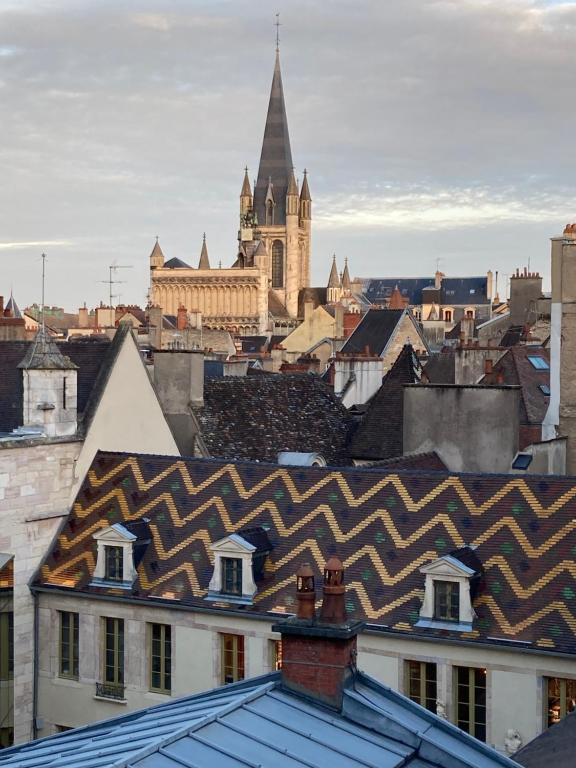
435	133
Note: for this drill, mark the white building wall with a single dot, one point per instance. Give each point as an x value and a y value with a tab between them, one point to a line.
515	679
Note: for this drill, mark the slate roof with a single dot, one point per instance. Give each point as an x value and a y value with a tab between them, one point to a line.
383	524
380	433
259	723
554	747
253	343
428	461
454	290
373	331
275	306
441	367
517	369
176	263
257	417
90	357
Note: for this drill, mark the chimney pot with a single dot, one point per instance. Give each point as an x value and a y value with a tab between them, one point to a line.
487	365
305	592
333	609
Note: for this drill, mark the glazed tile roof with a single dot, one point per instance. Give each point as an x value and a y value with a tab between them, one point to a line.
260	723
384	525
257	417
380	433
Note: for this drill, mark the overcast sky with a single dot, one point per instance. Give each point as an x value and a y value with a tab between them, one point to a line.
431	129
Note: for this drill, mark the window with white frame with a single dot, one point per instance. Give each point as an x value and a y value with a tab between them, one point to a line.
115	557
447	592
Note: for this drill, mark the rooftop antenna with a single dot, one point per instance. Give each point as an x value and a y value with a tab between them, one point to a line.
277	25
43	323
111	280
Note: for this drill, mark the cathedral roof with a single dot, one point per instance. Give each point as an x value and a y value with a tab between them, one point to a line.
204	262
176	264
276	156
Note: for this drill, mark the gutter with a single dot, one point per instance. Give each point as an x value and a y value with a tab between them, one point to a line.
35	666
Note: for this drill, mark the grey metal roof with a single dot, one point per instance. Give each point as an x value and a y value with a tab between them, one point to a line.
276	156
258	723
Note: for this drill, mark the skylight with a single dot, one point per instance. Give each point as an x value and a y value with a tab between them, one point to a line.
539	363
545	389
522	461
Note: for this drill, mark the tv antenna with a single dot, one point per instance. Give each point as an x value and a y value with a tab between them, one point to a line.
111	282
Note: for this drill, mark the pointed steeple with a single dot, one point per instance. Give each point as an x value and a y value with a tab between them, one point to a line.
396	300
292	186
305	191
334	279
246	188
11	309
276	156
204	262
346	282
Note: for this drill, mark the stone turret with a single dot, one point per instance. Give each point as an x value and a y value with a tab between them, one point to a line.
334	292
246	199
156	257
49	381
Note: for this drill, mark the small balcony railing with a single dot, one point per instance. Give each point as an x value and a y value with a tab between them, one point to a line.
110	691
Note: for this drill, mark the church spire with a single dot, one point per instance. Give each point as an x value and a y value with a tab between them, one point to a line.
246	189
346	282
204	262
334	279
276	156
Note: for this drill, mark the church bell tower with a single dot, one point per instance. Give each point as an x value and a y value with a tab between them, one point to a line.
278	215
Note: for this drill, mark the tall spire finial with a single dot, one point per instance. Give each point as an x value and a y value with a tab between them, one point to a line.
277	25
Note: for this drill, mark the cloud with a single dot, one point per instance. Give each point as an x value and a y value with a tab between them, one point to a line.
35	244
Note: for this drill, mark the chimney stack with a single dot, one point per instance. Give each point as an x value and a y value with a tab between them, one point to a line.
182	319
319	654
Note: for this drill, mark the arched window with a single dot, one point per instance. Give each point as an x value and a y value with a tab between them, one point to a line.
447	316
269	212
277	264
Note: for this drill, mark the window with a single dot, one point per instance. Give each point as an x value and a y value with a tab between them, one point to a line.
277	264
232	575
448	316
470	700
114	652
276	654
447	600
160	658
114	567
6	737
561	698
539	363
420	683
545	389
68	645
6	646
232	652
522	461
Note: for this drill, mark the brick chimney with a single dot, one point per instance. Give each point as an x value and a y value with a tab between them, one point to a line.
182	319
319	654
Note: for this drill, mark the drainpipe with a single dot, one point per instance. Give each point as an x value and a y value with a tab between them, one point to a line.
35	668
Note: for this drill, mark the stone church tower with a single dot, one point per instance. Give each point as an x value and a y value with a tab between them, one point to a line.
278	215
260	290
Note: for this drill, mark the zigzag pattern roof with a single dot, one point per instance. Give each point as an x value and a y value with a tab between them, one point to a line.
384	526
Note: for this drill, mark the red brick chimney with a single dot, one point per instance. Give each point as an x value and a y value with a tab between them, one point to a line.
182	319
319	655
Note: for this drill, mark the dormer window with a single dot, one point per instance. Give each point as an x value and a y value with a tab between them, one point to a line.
238	565
115	558
446	600
450	586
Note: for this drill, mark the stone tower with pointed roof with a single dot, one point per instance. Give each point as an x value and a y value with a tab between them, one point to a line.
278	215
259	291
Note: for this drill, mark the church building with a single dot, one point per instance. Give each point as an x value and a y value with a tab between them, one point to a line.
259	291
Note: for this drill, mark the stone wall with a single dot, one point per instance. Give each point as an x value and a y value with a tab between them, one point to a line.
35	487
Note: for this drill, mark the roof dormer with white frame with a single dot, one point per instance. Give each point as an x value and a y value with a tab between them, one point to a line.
115	557
447	602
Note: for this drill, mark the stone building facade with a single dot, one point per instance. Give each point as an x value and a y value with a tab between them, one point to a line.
272	263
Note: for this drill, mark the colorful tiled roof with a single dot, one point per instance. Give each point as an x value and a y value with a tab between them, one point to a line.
384	525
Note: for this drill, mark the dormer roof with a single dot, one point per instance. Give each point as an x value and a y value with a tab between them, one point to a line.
44	354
